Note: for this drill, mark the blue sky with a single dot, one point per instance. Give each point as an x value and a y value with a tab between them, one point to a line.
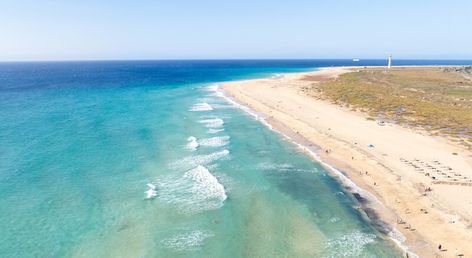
204	29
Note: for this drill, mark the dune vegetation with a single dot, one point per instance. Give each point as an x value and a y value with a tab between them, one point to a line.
438	99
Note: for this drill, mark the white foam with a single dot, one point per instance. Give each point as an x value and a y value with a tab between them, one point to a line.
193	161
349	245
221	106
212	166
206	185
192	143
174	189
277	76
216	94
245	108
334	219
187	241
213	131
274	166
215	90
214	141
212	87
203	106
150	194
212	122
195	191
283	167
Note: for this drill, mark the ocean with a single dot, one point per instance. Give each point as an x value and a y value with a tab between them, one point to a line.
81	141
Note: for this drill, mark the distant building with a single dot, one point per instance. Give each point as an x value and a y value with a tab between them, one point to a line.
389	61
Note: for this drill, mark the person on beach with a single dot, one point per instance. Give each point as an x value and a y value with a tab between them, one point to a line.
439	247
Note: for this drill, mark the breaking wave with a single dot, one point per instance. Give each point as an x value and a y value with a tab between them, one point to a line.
192	143
203	106
194	161
212	122
197	190
206	186
212	87
213	131
214	141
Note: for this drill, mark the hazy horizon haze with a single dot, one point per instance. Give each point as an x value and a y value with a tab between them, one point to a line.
145	30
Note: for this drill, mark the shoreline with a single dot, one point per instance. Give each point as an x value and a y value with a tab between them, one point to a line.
370	203
417	242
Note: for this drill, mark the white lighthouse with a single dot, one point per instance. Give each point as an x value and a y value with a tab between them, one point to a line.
389	61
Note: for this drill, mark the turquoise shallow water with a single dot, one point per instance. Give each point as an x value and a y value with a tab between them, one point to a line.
81	141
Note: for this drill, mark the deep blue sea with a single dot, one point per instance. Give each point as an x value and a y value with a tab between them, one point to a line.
81	141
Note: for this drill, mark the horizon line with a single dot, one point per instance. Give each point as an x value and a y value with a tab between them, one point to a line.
218	59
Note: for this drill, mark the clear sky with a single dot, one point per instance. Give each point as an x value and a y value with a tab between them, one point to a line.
215	29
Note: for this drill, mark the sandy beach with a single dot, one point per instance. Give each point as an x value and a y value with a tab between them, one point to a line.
387	160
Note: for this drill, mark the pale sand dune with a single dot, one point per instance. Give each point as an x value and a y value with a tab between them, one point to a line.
399	186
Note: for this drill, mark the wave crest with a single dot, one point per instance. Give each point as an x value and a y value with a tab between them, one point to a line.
206	185
196	191
212	122
192	143
194	161
214	141
203	106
